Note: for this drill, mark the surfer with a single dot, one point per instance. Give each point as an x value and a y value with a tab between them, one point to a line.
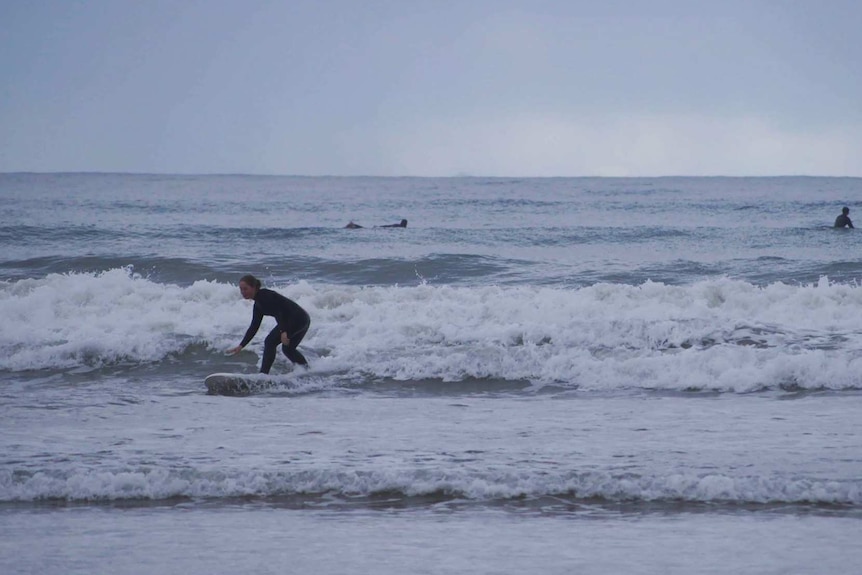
843	221
293	322
401	224
353	226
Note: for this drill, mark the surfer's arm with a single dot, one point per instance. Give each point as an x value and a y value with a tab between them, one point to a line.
256	318
284	323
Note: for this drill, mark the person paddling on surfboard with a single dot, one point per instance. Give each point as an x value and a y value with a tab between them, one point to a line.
353	226
293	322
401	224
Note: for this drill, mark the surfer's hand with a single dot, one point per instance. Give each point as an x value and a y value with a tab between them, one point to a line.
284	339
233	350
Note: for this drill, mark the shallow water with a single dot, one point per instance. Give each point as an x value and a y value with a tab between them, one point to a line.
250	538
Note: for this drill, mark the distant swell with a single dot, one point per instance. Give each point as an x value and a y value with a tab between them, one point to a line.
168	270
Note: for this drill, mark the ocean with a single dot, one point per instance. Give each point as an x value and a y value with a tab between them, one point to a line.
555	375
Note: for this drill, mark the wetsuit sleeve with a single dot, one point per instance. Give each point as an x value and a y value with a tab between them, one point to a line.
256	318
849	223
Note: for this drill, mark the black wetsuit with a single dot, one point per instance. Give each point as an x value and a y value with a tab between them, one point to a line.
292	320
843	221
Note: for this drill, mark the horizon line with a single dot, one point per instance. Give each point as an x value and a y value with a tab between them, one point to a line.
370	176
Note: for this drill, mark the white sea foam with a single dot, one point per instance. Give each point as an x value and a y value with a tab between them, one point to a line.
717	334
161	483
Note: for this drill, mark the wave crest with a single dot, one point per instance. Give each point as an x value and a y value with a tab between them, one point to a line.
720	335
339	485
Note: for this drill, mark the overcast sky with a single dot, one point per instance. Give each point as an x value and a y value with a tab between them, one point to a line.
432	87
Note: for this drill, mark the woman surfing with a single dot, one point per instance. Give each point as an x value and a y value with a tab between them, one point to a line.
292	323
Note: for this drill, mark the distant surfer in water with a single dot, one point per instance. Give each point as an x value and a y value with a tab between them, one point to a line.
401	224
293	322
843	221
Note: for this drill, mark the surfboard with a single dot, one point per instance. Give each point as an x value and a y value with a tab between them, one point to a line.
236	384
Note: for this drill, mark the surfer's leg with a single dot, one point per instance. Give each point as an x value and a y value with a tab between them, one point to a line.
269	345
294	356
290	349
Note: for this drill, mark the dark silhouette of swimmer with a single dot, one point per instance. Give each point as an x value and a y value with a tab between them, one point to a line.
843	221
401	224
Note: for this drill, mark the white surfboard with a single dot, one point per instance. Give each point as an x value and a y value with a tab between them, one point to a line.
237	383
